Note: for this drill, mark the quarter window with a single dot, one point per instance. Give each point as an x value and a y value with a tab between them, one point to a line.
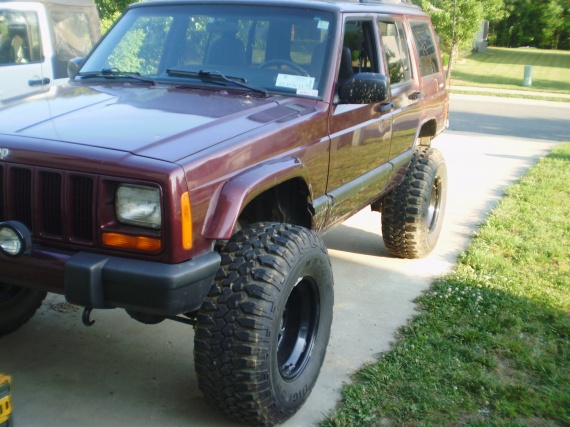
426	48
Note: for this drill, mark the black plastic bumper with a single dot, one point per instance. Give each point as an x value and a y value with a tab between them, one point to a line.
99	281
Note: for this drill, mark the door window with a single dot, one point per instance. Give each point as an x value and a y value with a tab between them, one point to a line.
396	51
359	49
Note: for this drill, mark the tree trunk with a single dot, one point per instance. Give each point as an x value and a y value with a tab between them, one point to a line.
453	45
450	64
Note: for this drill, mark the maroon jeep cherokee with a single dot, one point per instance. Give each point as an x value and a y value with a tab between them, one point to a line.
188	168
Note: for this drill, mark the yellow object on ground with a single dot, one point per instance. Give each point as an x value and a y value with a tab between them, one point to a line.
5	401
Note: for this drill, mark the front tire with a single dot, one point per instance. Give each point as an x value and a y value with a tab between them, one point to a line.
263	330
412	213
17	306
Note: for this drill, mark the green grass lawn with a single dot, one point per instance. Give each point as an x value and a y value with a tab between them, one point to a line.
491	345
504	68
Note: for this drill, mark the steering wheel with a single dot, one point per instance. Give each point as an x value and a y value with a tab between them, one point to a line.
285	62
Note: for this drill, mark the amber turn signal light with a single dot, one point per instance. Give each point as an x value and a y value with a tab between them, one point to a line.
125	241
186	221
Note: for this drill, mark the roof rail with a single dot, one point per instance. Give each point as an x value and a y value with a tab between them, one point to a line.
383	1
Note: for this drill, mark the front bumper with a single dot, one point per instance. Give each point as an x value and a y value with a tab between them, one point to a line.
100	281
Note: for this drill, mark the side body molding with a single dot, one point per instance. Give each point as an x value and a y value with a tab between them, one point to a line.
228	202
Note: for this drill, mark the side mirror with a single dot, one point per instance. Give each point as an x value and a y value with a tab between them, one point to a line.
73	66
363	88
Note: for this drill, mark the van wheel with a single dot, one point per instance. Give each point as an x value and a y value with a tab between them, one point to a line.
17	306
412	213
263	330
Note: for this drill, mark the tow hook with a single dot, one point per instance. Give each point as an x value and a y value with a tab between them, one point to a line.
85	318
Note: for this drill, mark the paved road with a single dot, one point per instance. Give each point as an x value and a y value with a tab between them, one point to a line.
511	117
122	373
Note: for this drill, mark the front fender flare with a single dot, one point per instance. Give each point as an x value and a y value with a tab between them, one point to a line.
228	202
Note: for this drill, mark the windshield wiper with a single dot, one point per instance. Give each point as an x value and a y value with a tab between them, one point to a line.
115	73
216	76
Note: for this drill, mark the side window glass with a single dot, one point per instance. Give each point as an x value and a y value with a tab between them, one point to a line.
426	48
19	38
71	34
396	51
359	52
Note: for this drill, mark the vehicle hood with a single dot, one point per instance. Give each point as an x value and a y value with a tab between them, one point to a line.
158	122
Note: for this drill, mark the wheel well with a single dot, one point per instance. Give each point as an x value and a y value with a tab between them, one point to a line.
287	202
429	129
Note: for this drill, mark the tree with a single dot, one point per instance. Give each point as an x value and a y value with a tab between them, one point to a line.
109	11
458	21
537	23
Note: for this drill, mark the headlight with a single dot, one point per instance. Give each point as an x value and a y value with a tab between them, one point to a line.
138	205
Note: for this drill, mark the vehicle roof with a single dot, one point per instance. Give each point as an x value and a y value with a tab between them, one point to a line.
378	6
60	2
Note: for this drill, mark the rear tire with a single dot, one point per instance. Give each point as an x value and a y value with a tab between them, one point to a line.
412	213
17	306
263	330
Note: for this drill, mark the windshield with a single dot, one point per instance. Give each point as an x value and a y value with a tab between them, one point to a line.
279	50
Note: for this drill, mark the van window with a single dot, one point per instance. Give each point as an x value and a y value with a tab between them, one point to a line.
425	47
19	38
396	51
71	33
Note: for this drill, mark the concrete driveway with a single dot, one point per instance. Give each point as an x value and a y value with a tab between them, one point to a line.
122	373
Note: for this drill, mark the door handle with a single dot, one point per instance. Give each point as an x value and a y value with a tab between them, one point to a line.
415	96
39	82
385	107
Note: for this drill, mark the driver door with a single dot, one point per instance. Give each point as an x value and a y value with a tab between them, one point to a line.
360	133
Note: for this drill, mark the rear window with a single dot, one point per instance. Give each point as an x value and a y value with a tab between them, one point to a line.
426	48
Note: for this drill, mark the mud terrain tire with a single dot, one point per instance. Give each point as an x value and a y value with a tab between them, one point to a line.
412	213
17	306
263	330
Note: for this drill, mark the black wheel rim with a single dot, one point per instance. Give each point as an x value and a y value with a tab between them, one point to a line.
9	293
298	329
434	205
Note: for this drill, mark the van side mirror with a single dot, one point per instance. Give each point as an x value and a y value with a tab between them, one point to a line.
73	66
363	88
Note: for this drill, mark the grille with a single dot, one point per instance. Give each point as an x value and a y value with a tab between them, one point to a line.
52	204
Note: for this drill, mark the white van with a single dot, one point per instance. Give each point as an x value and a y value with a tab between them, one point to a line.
38	38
